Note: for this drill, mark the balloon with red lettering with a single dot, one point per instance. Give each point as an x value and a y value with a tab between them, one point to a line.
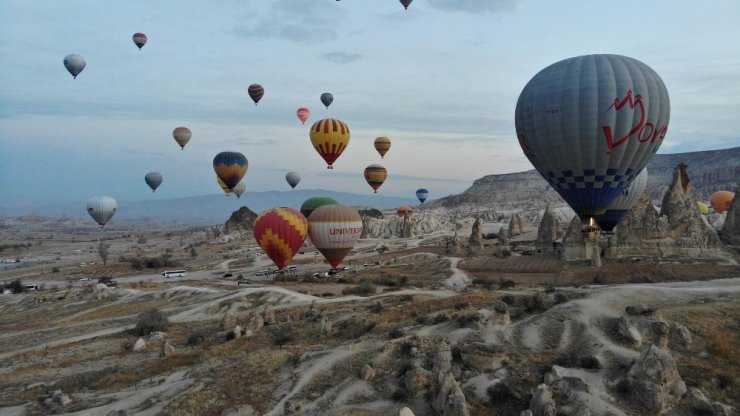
721	201
314	202
375	176
153	179
303	114
623	203
256	92
230	167
382	145
334	230
139	39
590	124
280	232
101	209
182	136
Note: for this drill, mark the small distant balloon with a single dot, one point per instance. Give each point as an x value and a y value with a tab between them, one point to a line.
327	99
139	39
405	211
721	201
375	176
101	209
153	179
74	64
303	114
256	92
422	194
182	136
230	167
293	178
405	3
239	189
382	145
702	208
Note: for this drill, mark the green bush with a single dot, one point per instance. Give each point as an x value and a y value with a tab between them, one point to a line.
151	321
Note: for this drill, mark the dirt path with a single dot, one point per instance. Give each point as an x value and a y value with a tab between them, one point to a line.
459	281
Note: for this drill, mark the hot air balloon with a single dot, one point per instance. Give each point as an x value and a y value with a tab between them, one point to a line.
405	211
256	92
222	185
590	124
382	145
230	167
293	178
312	203
153	179
280	232
139	39
303	114
239	189
101	209
702	208
405	3
334	230
329	137
182	136
422	195
721	201
74	64
326	99
623	203
375	176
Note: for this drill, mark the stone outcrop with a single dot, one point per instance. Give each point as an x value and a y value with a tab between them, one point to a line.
422	222
268	315
167	349
450	400
325	327
654	379
240	220
547	232
254	324
228	321
679	336
416	380
731	227
516	226
405	412
636	323
475	241
500	315
139	345
542	403
56	401
237	331
483	356
367	373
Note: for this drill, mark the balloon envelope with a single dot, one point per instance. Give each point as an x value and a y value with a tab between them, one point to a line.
405	3
230	167
702	208
256	92
182	136
153	179
334	230
101	209
239	189
375	176
74	64
405	211
721	200
222	185
422	195
303	114
327	99
623	203
312	203
329	137
139	39
293	178
590	124
382	145
280	232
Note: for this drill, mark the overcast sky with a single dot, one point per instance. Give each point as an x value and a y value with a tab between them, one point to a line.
440	79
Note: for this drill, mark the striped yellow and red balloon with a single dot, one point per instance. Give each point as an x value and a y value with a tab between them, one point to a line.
182	136
375	176
329	137
256	92
382	145
280	232
230	167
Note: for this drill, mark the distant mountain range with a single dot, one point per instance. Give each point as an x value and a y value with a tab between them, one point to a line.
208	209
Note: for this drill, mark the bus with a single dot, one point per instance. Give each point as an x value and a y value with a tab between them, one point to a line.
174	273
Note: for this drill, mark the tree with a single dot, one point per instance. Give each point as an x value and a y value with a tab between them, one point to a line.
103	251
193	252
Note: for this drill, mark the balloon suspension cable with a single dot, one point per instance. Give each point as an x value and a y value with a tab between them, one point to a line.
330	167
375	191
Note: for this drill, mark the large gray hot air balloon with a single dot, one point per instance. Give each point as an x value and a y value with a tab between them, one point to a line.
623	203
101	209
74	64
590	124
293	178
153	179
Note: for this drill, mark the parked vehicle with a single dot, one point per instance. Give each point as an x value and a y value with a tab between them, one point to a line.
174	273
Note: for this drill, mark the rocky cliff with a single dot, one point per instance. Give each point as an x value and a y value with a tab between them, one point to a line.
240	220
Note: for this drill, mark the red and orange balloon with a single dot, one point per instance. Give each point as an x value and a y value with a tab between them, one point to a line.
280	232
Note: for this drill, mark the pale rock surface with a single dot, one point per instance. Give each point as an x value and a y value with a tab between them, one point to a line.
237	331
326	326
475	241
636	323
516	227
731	226
483	356
367	373
405	412
679	336
268	315
139	345
547	232
542	403
167	349
416	380
500	315
228	321
254	324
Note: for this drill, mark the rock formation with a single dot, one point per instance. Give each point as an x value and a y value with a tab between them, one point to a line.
516	227
547	232
139	345
654	378
636	323
367	373
167	349
405	412
268	315
542	403
416	380
483	356
475	241
240	220
500	315
731	227
228	321
254	324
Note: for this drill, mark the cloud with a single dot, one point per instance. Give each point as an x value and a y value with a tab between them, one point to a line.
341	57
297	21
475	6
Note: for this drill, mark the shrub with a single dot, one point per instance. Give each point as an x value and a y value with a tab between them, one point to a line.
440	319
396	333
500	392
720	344
151	321
485	282
560	297
55	269
196	338
466	320
281	334
16	285
506	284
376	307
363	289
